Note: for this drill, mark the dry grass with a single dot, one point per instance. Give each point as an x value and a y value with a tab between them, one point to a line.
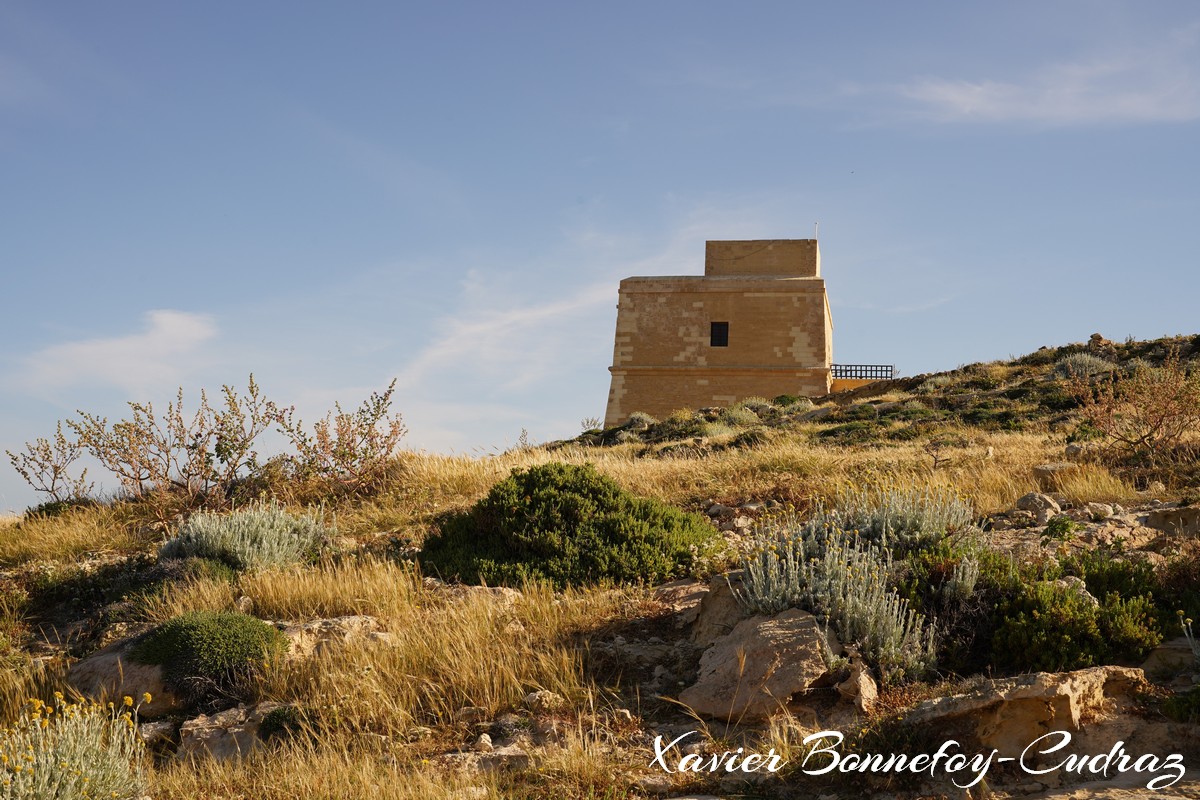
471	650
790	468
447	648
315	773
66	536
370	586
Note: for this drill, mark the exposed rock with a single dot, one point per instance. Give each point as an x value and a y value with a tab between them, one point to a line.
1181	521
311	638
158	733
817	414
683	597
483	744
1009	713
720	610
1170	658
1043	506
111	674
513	756
1050	476
1156	488
229	734
720	510
470	714
752	672
544	702
740	523
1098	512
859	688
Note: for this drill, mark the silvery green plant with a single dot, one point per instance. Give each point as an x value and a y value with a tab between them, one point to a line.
902	519
1080	365
827	570
961	584
257	537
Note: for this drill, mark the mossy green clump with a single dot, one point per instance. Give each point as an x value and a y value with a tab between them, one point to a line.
1051	626
203	652
251	538
568	525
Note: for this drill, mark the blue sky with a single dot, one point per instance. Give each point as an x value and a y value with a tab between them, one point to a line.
333	195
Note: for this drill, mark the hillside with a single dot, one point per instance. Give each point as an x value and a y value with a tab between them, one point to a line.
982	555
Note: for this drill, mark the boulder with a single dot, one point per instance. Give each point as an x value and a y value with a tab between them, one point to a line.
720	609
544	701
683	597
753	672
1042	506
1170	658
1009	713
859	688
231	733
1049	477
1098	512
1181	521
111	674
312	638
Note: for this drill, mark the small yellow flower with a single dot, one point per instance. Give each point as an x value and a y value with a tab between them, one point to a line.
147	697
127	700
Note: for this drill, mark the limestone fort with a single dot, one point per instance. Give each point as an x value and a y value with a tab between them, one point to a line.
757	323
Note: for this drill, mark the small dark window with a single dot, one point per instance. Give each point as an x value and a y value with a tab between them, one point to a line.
719	336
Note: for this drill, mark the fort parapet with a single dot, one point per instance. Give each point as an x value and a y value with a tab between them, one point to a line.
756	323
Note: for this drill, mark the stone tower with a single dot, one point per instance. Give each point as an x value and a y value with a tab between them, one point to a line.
755	324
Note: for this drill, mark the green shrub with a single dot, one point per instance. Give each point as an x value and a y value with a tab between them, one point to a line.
569	525
751	437
1104	573
203	652
1060	529
1052	626
1184	707
936	383
252	538
1129	626
739	417
681	424
822	568
858	432
1048	627
72	750
759	405
639	420
282	723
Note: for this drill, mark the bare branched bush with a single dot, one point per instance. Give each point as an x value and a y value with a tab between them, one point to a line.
44	465
352	449
1147	414
179	461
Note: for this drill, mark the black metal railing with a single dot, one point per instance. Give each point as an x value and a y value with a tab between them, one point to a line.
876	372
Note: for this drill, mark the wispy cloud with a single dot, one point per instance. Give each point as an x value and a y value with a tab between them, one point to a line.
158	357
1152	84
506	347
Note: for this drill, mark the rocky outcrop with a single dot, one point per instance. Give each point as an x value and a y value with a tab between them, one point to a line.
753	672
1008	714
1179	521
308	639
229	734
720	609
111	674
1042	506
1050	477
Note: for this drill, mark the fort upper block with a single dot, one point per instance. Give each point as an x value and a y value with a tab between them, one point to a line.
756	323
